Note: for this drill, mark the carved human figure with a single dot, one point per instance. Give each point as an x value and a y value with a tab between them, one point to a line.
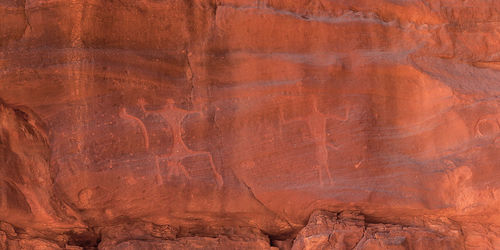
316	122
174	117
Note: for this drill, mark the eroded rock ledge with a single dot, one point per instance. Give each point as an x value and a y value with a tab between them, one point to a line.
349	230
324	230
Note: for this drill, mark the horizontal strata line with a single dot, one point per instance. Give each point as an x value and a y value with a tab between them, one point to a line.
71	74
323	59
324	19
12	9
159	52
257	84
348	17
92	57
85	64
86	50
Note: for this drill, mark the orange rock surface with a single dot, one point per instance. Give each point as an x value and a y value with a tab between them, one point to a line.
249	124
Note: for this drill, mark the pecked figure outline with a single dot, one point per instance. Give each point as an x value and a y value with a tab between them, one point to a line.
316	122
492	119
174	117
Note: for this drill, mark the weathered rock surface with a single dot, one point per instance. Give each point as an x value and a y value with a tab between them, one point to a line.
348	230
227	123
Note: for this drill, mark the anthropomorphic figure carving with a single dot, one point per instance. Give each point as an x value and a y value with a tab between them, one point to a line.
316	122
174	117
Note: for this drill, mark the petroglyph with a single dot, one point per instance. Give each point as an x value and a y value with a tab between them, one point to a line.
317	125
358	164
174	117
175	168
159	178
316	121
142	104
248	165
160	133
487	125
127	116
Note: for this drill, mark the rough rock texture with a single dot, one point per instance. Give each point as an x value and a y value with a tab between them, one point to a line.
348	230
226	123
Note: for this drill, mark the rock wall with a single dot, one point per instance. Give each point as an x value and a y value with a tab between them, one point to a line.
132	124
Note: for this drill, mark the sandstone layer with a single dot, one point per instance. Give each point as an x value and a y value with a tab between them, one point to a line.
250	124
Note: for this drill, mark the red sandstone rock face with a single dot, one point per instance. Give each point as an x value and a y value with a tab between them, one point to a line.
348	230
226	124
